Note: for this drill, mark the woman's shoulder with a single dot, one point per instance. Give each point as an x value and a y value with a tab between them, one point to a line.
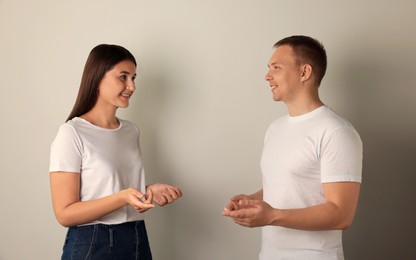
67	132
127	124
68	126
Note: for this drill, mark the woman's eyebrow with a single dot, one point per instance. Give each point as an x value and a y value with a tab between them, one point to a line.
126	72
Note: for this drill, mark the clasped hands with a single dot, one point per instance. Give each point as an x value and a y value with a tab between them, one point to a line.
159	193
248	212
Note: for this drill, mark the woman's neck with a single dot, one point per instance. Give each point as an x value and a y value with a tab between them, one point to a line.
102	118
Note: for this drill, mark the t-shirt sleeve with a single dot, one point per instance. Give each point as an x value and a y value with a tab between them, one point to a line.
342	155
66	151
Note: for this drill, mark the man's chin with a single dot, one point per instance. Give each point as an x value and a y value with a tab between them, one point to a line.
276	99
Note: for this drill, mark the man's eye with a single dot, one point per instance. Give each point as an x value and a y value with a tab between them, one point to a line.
133	78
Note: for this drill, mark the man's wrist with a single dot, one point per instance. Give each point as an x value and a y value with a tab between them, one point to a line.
275	217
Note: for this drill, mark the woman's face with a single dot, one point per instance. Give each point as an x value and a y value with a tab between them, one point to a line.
117	85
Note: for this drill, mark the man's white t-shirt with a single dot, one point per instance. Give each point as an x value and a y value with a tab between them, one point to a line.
108	161
300	153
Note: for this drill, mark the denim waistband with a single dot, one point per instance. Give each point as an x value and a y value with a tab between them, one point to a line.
102	241
131	223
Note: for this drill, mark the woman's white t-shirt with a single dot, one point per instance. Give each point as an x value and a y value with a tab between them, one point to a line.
108	160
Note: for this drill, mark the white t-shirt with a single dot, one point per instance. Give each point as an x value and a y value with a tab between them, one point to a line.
300	153
108	161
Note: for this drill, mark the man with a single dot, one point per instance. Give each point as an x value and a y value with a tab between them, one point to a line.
311	164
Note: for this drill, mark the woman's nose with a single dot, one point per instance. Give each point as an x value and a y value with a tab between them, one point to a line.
131	87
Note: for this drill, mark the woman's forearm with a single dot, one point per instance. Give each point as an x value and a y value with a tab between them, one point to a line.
82	212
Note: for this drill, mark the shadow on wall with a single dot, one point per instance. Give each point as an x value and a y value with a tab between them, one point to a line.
383	97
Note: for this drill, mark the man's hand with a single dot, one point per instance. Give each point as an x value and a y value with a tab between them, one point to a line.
249	213
233	204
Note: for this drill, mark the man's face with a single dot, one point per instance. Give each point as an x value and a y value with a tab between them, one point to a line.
284	74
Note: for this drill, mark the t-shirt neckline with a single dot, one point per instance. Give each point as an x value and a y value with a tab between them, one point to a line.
99	127
301	118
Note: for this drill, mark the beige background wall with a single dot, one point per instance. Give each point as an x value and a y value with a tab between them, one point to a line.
203	107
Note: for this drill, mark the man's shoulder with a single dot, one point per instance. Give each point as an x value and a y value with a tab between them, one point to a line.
331	119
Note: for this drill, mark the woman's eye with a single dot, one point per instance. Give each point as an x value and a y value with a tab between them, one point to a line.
123	77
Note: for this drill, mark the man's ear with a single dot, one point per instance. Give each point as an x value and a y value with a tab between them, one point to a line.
306	72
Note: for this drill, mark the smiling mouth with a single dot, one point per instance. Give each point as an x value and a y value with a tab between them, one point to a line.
126	94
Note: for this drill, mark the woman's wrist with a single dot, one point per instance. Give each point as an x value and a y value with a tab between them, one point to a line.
123	196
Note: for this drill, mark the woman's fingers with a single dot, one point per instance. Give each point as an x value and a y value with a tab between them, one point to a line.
149	196
139	204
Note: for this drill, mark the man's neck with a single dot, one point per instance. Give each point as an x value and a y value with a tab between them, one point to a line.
303	105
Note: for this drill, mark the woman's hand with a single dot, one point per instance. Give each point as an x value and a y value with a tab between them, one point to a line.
138	200
163	193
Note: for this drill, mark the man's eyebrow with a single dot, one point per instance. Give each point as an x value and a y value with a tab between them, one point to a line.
273	64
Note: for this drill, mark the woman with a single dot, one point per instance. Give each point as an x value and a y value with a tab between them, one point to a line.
96	171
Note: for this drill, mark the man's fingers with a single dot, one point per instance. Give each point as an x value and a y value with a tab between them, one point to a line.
243	223
238	197
237	214
248	203
233	205
229	206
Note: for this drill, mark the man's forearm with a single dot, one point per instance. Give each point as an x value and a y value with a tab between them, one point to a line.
326	216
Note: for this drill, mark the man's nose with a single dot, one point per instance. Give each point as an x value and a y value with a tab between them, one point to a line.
267	77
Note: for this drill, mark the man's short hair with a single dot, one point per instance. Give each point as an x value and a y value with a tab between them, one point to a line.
308	50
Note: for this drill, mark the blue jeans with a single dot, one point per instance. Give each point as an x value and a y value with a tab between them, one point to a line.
107	242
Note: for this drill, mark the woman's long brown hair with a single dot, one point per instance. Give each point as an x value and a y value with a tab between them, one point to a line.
101	59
